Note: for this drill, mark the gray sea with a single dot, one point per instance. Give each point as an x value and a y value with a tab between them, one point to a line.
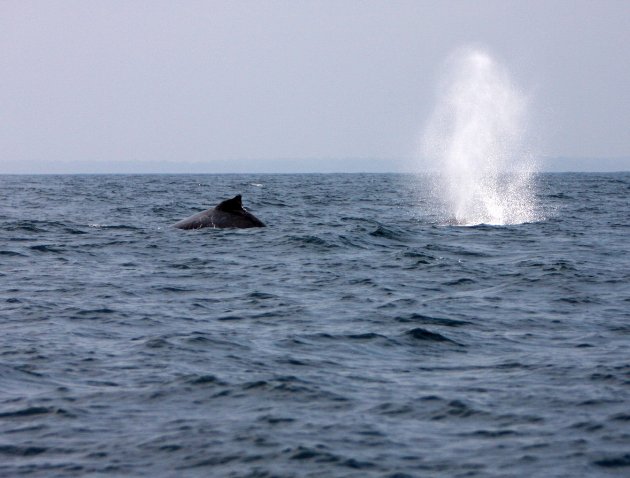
360	334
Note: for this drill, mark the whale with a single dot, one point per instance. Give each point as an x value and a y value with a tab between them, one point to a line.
229	213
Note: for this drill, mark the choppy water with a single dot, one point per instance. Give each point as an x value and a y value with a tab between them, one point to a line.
355	336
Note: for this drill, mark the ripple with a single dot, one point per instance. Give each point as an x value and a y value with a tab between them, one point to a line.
28	412
424	319
12	254
52	248
618	461
23	451
455	409
388	233
426	335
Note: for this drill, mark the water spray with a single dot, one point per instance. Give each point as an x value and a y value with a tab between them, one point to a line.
475	140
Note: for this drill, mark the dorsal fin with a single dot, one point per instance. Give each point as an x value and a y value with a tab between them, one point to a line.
231	205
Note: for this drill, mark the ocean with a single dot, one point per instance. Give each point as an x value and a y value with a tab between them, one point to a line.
362	333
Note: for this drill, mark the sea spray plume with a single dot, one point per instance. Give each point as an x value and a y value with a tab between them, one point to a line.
475	140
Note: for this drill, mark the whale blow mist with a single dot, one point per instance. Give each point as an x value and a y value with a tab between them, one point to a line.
475	141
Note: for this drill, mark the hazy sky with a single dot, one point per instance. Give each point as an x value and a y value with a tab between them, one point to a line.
308	84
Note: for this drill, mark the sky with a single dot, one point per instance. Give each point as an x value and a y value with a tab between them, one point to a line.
295	86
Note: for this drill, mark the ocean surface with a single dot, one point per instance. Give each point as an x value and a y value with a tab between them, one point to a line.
361	334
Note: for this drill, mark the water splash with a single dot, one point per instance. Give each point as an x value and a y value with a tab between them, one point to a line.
475	139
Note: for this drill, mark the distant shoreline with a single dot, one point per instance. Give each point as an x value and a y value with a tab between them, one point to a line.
288	166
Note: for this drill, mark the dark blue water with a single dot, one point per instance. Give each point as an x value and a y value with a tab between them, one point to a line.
358	335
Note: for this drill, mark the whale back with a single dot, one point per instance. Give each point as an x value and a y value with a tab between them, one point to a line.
227	214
